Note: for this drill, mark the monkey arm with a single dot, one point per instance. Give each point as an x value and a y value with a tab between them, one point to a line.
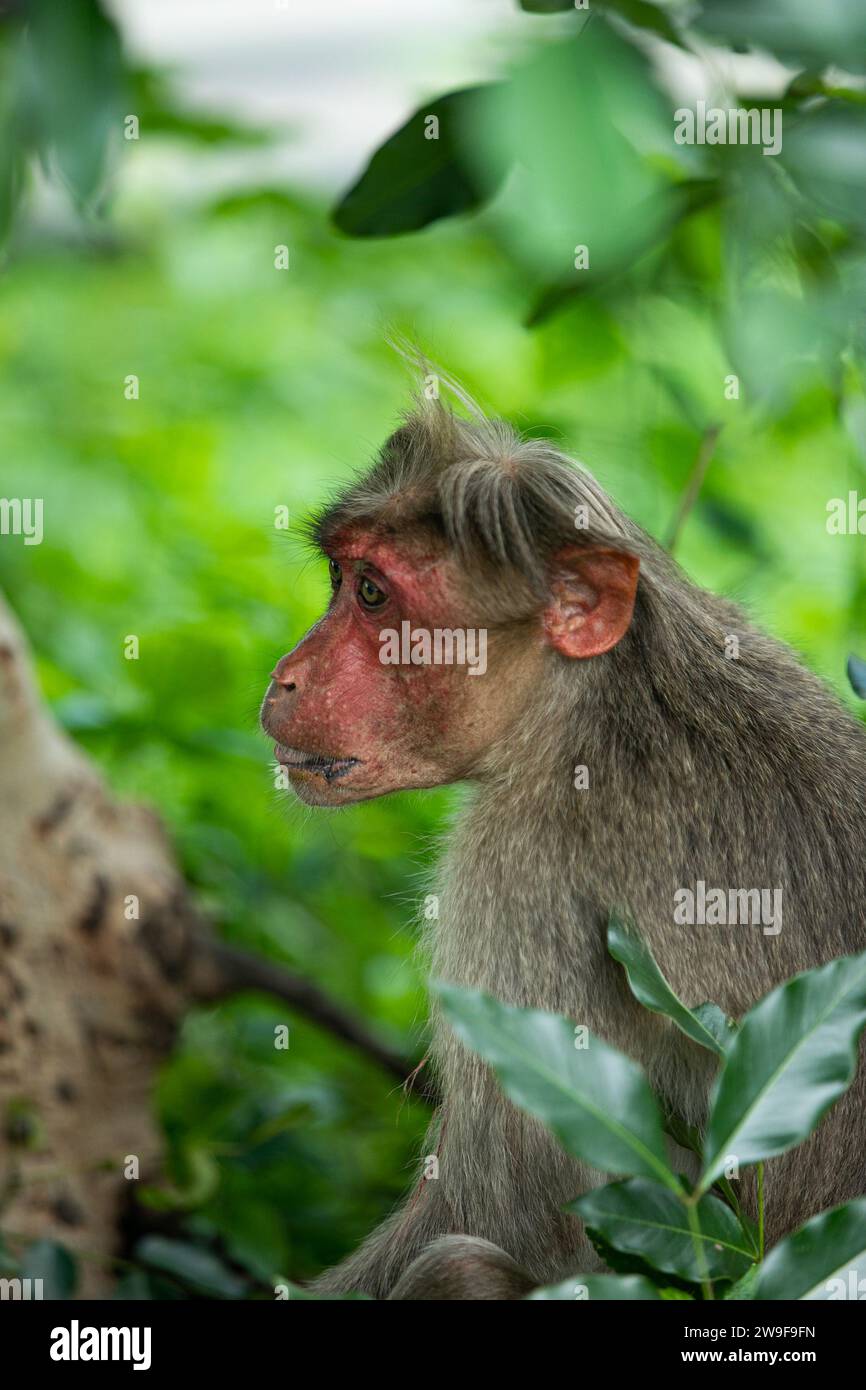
376	1266
424	1250
502	1181
459	1268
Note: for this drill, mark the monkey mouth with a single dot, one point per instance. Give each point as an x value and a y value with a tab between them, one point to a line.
296	760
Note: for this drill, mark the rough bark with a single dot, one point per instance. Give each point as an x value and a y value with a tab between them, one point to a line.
101	952
96	968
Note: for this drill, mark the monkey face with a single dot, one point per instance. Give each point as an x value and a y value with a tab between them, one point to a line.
402	684
395	686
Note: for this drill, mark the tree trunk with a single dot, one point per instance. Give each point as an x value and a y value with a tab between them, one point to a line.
102	951
97	964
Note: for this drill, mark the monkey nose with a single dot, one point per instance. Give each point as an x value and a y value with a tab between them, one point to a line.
281	675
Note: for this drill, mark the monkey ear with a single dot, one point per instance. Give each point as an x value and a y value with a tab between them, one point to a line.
592	594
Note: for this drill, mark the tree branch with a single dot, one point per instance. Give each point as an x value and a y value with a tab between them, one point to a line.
699	472
233	970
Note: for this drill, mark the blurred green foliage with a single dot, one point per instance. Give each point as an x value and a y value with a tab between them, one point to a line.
259	388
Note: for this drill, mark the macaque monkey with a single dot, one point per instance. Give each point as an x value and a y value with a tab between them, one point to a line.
707	761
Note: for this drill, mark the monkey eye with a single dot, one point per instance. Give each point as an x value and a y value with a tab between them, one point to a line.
370	595
336	573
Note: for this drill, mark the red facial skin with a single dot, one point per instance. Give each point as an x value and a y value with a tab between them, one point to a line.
406	725
332	696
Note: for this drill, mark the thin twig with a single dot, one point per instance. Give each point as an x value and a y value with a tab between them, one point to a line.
760	1211
700	1253
236	970
699	472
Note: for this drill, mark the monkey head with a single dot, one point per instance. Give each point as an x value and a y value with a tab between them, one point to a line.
434	639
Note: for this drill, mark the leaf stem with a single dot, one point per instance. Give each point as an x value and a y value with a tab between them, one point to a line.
760	1211
690	496
695	1227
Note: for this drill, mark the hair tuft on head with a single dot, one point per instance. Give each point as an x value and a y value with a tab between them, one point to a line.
498	499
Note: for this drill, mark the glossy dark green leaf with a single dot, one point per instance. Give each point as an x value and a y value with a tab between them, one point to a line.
134	1287
547	6
794	1055
641	13
649	985
148	1285
715	1021
577	118
686	1135
825	1259
201	1179
14	141
823	152
192	1265
152	100
650	227
54	1265
650	17
414	179
745	1287
617	1261
833	31
77	87
857	675
593	1098
651	1221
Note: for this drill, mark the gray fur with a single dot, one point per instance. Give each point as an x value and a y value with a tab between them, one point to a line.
745	773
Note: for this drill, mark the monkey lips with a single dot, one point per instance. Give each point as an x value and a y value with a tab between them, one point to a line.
296	760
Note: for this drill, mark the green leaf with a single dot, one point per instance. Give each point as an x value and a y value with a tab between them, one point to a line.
546	6
152	100
595	1100
793	1057
15	139
598	1287
645	1219
824	154
617	1261
577	118
731	1195
54	1265
661	214
192	1265
813	83
9	1264
412	179
711	1017
133	1287
77	87
744	1288
857	675
688	1136
640	13
649	985
825	1259
650	17
147	1285
798	30
202	1178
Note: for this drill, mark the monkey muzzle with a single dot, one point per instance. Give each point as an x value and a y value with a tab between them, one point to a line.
295	760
